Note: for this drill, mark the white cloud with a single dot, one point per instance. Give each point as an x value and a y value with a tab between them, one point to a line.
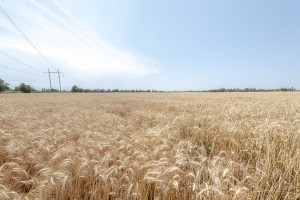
64	40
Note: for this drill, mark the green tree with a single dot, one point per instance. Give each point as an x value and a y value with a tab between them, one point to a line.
3	86
24	88
76	89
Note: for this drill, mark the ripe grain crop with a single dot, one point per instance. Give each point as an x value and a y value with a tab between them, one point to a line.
150	146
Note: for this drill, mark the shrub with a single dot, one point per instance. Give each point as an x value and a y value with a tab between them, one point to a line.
24	88
3	85
76	89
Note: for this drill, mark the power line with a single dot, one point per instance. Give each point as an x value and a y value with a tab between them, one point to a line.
11	14
17	60
24	35
10	68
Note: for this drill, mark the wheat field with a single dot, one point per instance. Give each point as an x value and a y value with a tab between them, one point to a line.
150	146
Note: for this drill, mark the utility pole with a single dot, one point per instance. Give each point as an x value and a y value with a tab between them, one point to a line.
59	79
49	73
49	79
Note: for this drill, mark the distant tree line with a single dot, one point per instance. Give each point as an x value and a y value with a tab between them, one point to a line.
250	90
77	89
50	90
25	88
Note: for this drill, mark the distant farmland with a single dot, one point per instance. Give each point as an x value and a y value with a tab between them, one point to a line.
150	146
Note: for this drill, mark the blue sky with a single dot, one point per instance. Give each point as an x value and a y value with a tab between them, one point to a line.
152	44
